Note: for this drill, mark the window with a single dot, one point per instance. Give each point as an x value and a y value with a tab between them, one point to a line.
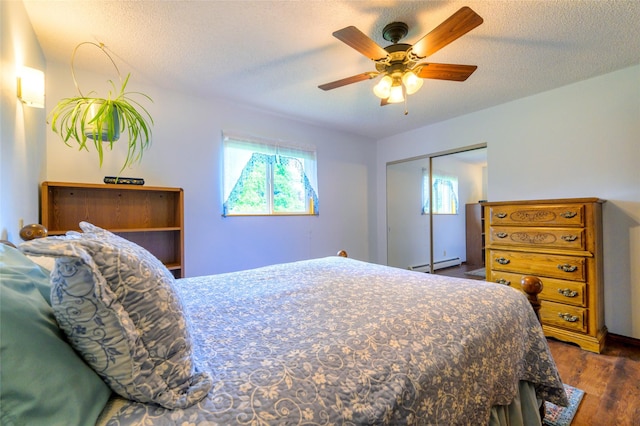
268	178
444	192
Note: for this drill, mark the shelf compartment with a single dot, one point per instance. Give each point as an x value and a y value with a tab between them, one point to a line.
151	217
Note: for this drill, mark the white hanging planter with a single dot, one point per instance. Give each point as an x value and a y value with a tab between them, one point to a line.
101	125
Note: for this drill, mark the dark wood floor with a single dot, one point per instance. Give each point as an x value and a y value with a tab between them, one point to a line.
611	380
459	271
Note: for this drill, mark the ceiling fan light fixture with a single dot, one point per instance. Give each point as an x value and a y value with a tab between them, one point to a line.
383	88
396	62
411	82
396	95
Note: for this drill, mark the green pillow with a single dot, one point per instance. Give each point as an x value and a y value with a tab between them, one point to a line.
42	379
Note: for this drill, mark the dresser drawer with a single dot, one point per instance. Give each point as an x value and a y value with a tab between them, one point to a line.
571	268
566	238
546	215
564	316
553	289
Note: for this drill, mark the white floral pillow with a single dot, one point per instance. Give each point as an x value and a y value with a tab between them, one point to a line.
117	305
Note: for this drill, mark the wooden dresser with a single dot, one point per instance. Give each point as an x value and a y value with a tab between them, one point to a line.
559	241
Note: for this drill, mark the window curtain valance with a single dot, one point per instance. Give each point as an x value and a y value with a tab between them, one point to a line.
444	192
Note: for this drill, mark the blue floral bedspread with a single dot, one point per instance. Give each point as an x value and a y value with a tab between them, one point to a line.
337	341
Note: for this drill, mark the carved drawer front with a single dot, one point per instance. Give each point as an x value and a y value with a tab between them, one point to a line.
564	316
543	265
553	289
548	215
569	238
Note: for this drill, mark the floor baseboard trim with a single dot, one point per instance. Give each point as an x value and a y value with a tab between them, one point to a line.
624	339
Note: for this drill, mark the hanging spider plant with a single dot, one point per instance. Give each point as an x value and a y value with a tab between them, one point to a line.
101	119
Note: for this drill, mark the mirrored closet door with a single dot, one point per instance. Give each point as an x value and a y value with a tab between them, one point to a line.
408	229
426	207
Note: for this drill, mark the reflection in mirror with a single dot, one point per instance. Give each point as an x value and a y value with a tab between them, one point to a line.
413	233
450	230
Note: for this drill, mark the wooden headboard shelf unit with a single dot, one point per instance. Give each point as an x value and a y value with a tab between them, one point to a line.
149	216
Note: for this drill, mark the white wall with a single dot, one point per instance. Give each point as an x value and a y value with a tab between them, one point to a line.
582	140
22	128
186	153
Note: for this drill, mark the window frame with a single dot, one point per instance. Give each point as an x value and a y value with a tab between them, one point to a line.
272	152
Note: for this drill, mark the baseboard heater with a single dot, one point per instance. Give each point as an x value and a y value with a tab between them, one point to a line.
446	263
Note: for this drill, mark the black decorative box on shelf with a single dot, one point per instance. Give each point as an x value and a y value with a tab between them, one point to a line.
123	180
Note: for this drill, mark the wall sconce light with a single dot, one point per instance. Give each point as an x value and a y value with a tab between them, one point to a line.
31	87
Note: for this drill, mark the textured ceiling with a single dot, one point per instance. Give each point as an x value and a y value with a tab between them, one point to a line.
272	55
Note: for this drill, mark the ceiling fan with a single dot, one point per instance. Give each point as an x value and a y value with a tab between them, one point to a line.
399	63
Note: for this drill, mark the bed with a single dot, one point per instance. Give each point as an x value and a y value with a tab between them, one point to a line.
321	341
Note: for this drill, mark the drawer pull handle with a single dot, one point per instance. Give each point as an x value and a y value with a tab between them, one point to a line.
503	281
501	235
566	292
568	215
567	268
569	238
502	261
568	317
501	215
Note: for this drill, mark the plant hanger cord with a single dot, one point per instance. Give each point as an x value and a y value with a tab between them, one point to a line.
73	57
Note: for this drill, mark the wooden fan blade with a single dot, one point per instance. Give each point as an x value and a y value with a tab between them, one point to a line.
361	42
458	24
348	80
445	71
384	101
